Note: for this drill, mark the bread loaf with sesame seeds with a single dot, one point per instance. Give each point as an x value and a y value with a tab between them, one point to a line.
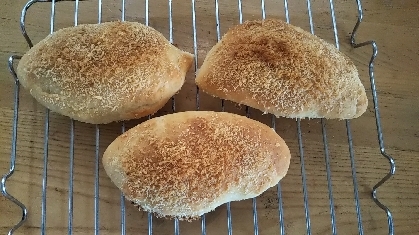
281	69
186	164
101	73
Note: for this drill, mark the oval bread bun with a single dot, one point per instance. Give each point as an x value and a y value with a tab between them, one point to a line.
186	164
281	69
100	73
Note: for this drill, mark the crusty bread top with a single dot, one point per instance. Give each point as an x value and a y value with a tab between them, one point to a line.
94	67
280	68
187	163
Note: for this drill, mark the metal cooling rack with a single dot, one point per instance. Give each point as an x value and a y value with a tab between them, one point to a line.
195	48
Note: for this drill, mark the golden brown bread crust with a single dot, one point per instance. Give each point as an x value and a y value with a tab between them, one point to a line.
186	164
281	69
100	73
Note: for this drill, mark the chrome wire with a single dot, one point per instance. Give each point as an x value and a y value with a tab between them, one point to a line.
300	146
279	192
218	30
229	222
122	202
329	178
392	164
70	180
71	176
97	214
46	132
354	179
121	196
13	150
171	41
97	165
195	49
177	232
325	142
254	200
217	22
149	215
303	177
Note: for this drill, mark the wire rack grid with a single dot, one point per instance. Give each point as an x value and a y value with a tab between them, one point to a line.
176	225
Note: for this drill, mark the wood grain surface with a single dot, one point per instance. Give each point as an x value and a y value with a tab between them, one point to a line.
394	26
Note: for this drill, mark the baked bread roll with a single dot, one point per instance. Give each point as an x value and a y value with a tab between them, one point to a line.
100	73
281	69
186	164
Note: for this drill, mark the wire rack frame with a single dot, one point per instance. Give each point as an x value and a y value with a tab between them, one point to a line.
195	48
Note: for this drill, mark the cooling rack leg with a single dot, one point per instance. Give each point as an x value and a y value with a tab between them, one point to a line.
13	150
392	167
